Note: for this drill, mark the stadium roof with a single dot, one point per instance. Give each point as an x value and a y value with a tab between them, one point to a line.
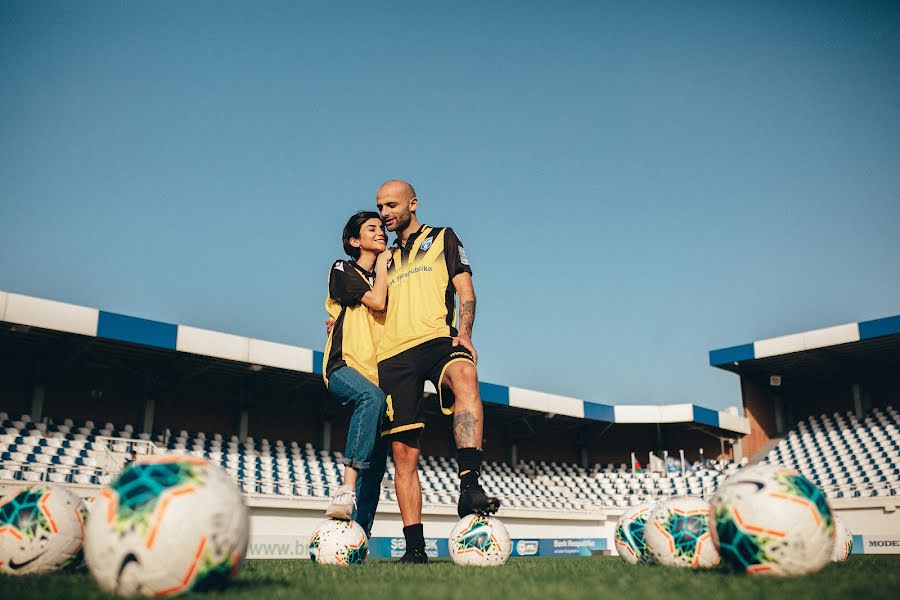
850	348
259	354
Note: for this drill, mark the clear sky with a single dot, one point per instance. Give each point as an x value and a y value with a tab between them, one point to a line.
635	183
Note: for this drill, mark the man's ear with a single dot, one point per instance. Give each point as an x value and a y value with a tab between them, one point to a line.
413	204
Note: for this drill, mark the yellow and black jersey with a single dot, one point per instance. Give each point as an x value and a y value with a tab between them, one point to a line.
357	329
422	299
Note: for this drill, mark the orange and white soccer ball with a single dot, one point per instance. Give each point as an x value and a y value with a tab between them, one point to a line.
336	542
629	537
41	530
843	541
165	526
771	520
677	534
480	541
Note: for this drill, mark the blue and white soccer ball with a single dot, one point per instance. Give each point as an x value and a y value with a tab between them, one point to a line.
771	520
165	526
843	541
480	541
336	542
629	538
677	534
41	530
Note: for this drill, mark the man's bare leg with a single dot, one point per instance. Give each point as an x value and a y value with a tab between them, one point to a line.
409	497
468	430
406	482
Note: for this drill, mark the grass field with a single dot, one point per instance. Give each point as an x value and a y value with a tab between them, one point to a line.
863	577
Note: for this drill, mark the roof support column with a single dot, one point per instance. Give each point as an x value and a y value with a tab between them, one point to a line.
37	402
149	410
857	400
326	436
243	424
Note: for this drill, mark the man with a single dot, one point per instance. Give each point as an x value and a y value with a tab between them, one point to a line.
424	340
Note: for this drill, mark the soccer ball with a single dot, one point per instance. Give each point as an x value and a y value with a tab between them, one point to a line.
41	530
768	519
843	541
337	542
629	538
480	541
677	533
167	525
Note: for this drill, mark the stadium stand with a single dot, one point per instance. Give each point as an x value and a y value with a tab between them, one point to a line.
845	456
89	454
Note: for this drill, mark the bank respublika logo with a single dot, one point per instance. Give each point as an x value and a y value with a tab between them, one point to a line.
527	547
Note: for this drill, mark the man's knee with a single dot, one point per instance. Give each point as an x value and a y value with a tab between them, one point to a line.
461	376
406	457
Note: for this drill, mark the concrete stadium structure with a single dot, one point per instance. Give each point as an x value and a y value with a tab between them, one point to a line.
823	401
561	463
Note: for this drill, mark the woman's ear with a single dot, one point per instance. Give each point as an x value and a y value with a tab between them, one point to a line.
354	242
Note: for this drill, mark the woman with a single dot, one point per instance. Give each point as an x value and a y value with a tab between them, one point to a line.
357	295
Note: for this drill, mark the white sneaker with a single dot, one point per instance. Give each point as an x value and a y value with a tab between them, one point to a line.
342	504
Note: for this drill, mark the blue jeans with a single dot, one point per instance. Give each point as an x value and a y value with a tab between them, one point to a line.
362	453
368	486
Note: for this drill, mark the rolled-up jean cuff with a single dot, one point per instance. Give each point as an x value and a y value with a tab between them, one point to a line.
355	464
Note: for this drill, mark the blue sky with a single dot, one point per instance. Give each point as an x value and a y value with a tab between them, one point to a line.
635	185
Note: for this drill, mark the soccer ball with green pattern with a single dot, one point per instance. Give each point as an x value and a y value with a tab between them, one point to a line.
769	519
843	541
341	543
629	538
677	534
165	526
41	529
480	541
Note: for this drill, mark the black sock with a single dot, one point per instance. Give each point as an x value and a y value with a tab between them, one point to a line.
415	537
469	460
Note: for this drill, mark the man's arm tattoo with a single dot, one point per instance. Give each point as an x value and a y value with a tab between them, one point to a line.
466	318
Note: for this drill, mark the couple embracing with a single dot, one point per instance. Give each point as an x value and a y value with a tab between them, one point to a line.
396	326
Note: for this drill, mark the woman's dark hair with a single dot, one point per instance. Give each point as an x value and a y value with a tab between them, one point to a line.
351	230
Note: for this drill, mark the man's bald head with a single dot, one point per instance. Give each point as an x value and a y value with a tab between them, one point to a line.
396	201
397	187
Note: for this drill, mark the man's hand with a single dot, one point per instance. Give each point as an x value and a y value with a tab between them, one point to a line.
466	342
329	325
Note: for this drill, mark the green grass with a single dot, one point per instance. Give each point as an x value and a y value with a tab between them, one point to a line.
862	577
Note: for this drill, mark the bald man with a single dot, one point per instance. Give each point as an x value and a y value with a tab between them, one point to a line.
424	339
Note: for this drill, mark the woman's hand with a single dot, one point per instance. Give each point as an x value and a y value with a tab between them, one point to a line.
382	260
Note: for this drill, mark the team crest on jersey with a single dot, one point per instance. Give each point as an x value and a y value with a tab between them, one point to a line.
426	244
339	266
462	256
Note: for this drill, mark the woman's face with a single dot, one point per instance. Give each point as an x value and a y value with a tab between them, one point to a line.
372	236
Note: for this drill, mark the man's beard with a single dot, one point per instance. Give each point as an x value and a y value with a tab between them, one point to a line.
403	222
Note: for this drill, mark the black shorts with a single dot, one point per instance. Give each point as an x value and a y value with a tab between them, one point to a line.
403	377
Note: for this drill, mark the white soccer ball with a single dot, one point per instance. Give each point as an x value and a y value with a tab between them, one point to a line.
769	519
480	541
629	538
336	542
843	541
165	526
41	530
677	534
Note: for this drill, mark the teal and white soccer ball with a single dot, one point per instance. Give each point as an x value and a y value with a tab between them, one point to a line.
165	526
629	538
479	541
41	529
843	541
677	534
769	519
336	542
